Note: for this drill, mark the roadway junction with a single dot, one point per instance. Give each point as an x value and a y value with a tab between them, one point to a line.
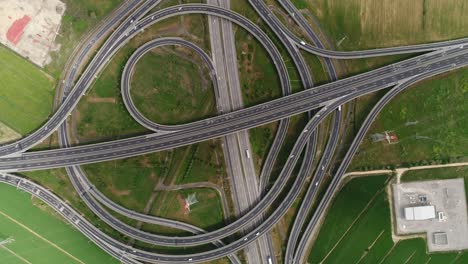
134	16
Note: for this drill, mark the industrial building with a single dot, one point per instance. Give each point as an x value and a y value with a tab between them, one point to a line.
437	208
420	212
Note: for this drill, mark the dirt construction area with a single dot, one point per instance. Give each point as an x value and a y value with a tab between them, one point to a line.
446	224
30	27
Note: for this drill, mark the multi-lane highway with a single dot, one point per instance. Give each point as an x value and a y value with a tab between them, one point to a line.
242	119
446	56
300	254
108	50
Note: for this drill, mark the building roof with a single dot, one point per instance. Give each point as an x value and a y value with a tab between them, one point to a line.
420	212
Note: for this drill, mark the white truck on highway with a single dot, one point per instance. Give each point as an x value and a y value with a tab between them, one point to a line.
248	153
269	260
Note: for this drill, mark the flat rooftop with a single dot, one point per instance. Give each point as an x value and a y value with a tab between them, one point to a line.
448	230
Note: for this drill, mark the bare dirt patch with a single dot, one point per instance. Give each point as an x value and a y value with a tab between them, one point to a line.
101	100
30	27
7	134
118	192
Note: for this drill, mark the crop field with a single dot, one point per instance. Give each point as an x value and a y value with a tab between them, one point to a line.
430	121
357	24
39	237
26	93
357	229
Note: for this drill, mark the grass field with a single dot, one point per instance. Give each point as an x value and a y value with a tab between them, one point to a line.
357	229
130	182
26	93
437	109
178	94
40	237
102	113
357	24
207	213
80	17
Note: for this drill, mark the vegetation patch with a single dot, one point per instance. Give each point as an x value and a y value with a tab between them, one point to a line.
357	24
80	16
357	229
39	237
26	93
176	94
429	120
206	213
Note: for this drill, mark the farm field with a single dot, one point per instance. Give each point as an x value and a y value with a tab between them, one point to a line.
41	237
357	229
358	24
26	93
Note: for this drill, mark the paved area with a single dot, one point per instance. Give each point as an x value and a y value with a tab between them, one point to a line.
445	233
30	27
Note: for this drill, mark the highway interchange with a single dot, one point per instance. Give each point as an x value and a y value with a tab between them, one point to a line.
445	56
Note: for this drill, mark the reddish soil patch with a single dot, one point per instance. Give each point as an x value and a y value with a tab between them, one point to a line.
15	31
181	201
118	192
101	100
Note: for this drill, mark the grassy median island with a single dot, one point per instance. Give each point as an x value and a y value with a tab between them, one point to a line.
207	213
26	93
357	229
40	237
170	86
430	121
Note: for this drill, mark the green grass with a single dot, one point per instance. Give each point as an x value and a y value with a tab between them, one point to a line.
174	95
57	181
110	119
129	181
26	93
207	213
17	205
356	24
344	211
205	163
357	229
80	17
439	108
